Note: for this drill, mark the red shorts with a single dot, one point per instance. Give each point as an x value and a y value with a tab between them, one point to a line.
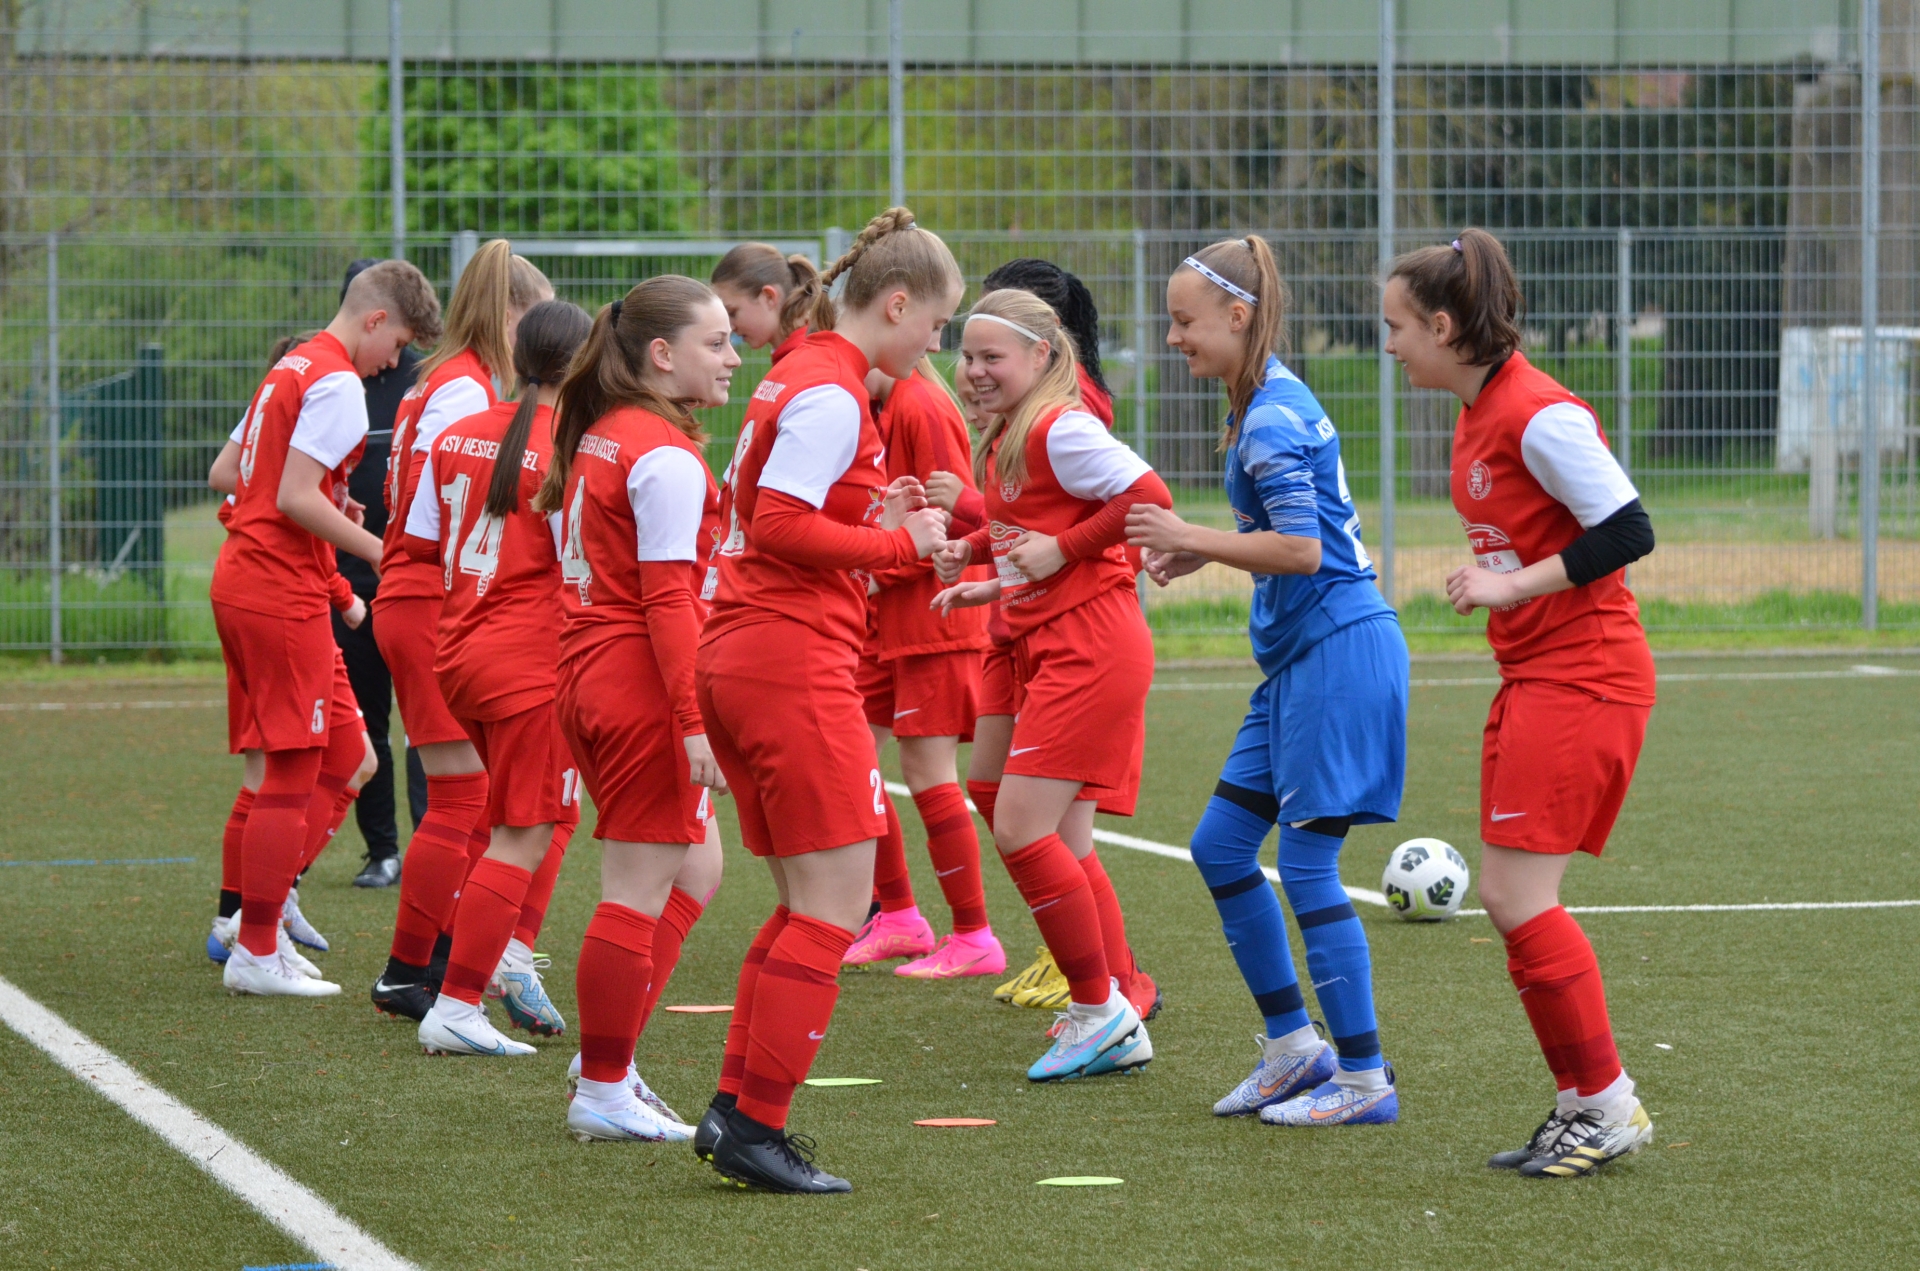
922	694
999	692
531	778
407	631
1555	763
618	722
343	712
281	675
785	720
1083	678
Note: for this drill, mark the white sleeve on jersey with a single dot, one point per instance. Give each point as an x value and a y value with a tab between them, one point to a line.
557	526
333	419
423	517
1089	461
1562	449
819	435
451	402
239	434
668	489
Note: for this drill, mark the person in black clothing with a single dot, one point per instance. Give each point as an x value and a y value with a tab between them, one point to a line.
372	685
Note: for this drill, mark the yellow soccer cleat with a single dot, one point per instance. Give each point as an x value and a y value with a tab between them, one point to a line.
1037	971
1050	994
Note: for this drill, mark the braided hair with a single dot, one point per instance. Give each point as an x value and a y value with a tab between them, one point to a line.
1067	296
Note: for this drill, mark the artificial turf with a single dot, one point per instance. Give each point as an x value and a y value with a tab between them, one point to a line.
1785	1106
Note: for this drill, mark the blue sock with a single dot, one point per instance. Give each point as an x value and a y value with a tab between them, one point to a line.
1336	943
1226	847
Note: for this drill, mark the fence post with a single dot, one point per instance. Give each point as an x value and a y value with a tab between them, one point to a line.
465	244
1140	367
396	131
896	104
1623	353
1385	187
1870	314
54	563
838	240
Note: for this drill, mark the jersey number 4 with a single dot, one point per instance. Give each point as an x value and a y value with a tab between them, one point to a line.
250	447
480	550
574	569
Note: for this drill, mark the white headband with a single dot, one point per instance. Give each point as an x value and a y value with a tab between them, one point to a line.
1007	322
1193	263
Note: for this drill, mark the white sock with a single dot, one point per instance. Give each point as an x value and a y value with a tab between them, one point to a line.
603	1091
1566	1102
1083	1013
1365	1080
1615	1102
454	1011
1301	1041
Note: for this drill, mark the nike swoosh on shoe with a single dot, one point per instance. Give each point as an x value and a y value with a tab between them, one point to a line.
498	1048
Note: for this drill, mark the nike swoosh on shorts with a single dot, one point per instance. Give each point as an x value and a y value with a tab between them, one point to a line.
1503	816
1023	750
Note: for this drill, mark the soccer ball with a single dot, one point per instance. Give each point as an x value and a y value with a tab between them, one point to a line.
1425	880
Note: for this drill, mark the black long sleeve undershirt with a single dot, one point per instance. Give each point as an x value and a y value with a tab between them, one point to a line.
1615	543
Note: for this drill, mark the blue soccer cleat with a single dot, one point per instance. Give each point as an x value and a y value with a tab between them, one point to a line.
524	996
220	941
1082	1041
1278	1077
1334	1104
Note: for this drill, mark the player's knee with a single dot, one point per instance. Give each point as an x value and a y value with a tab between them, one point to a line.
369	764
1226	843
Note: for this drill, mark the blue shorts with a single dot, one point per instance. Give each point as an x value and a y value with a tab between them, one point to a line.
1327	736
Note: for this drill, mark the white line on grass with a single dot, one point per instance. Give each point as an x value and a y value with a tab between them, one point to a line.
208	702
1365	896
261	1184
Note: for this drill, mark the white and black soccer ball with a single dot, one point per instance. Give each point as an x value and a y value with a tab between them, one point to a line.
1426	880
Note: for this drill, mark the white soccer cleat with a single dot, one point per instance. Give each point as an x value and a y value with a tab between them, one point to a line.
297	960
454	1028
635	1083
295	923
248	973
623	1119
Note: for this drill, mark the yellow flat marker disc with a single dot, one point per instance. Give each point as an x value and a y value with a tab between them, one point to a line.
843	1081
700	1010
1081	1180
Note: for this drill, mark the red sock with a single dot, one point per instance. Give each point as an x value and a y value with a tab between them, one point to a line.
489	903
676	920
436	864
270	846
336	817
1113	924
955	850
533	910
983	794
230	841
1552	964
733	1064
793	1004
616	962
890	880
1061	901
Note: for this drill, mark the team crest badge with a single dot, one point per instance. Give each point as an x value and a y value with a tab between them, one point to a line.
1479	480
1009	491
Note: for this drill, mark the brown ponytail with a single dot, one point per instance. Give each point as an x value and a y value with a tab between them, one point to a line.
610	371
549	334
892	251
751	266
1472	280
1248	264
494	282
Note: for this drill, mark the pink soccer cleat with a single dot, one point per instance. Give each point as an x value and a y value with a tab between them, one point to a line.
960	954
901	934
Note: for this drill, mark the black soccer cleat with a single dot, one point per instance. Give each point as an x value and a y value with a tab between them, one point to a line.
713	1123
379	871
781	1162
1540	1143
403	999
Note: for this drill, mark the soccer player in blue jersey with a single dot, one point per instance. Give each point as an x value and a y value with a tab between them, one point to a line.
1324	743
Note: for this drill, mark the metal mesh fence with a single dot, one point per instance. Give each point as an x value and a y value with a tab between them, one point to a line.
1688	233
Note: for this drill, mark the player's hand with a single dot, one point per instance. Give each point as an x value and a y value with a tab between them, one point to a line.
928	526
703	769
966	596
1164	567
1036	556
354	614
356	512
944	490
1473	587
906	495
950	561
1150	525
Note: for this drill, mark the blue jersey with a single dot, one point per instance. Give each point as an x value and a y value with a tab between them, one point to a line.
1284	474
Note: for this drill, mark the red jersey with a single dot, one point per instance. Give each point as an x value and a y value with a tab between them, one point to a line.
923	433
311	401
459	387
499	638
788	345
1074	467
809	435
1531	472
1097	401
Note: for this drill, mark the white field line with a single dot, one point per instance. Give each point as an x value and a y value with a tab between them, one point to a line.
1367	897
261	1184
113	706
1862	672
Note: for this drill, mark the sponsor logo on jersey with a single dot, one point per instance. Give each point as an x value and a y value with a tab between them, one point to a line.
1479	480
768	391
1325	429
599	447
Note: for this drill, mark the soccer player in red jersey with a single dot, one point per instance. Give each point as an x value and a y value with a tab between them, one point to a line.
920	677
456	381
1552	521
768	296
807	517
641	512
1058	486
497	657
271	586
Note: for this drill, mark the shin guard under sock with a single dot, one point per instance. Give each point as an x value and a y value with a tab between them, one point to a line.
891	883
616	964
676	920
733	1063
1226	847
436	864
482	924
271	845
1113	923
1337	955
533	910
1061	901
792	1006
230	852
955	849
1553	965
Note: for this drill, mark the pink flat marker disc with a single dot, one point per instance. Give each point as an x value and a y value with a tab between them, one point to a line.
955	1123
700	1010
